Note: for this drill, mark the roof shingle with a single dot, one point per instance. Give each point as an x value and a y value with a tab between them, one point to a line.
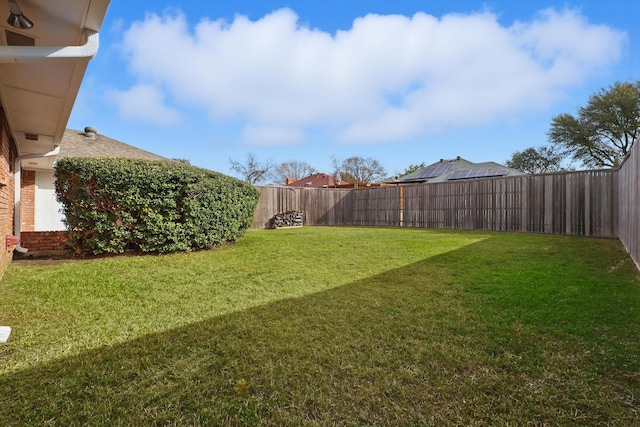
457	169
76	143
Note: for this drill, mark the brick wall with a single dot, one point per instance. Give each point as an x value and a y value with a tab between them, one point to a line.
42	240
7	157
27	200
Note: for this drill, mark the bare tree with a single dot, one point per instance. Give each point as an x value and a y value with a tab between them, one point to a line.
358	170
292	169
251	170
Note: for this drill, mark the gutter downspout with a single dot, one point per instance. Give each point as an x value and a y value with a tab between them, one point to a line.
17	191
10	54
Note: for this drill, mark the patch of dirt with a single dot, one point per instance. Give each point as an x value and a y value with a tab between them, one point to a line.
617	265
48	258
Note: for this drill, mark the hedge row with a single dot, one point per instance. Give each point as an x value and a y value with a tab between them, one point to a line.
114	205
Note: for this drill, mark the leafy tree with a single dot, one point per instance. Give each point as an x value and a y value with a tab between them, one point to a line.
251	170
293	169
604	131
358	170
412	168
538	160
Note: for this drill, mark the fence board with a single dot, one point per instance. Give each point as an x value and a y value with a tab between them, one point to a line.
628	201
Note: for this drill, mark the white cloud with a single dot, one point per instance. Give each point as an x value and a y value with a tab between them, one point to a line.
144	103
386	78
271	135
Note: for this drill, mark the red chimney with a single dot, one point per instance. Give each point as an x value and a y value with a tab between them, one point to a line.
290	181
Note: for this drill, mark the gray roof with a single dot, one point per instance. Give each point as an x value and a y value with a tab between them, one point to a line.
456	170
76	143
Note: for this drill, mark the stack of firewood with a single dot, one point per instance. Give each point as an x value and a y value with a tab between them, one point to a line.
287	219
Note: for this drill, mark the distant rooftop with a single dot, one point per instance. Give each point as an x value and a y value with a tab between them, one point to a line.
457	169
316	180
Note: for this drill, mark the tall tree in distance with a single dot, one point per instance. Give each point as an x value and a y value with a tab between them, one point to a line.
292	169
538	160
604	131
252	170
358	170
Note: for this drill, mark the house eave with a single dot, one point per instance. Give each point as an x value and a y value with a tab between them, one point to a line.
39	83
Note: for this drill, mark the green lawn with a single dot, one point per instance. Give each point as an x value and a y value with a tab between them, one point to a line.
329	326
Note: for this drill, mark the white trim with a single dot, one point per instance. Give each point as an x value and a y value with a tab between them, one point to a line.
17	190
10	54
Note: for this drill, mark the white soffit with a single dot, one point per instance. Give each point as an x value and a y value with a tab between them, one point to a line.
39	83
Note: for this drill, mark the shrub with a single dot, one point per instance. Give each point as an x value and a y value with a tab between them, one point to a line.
113	205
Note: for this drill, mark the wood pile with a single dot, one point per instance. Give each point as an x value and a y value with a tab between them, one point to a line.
287	219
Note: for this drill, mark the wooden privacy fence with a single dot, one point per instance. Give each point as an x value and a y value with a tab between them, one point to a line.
629	203
320	206
602	203
328	206
576	203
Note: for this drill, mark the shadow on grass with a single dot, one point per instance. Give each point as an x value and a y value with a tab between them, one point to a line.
421	345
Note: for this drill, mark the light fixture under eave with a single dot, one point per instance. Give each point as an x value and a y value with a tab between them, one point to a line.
16	18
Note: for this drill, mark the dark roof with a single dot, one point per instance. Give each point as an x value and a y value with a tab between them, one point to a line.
457	169
76	143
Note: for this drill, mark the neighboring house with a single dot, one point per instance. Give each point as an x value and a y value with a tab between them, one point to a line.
316	180
323	180
45	47
457	169
40	214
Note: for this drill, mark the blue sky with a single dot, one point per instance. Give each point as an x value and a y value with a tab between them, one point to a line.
402	81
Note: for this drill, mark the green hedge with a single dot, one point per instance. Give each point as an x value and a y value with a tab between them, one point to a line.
113	205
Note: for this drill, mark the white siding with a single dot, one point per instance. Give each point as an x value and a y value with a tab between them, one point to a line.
48	212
